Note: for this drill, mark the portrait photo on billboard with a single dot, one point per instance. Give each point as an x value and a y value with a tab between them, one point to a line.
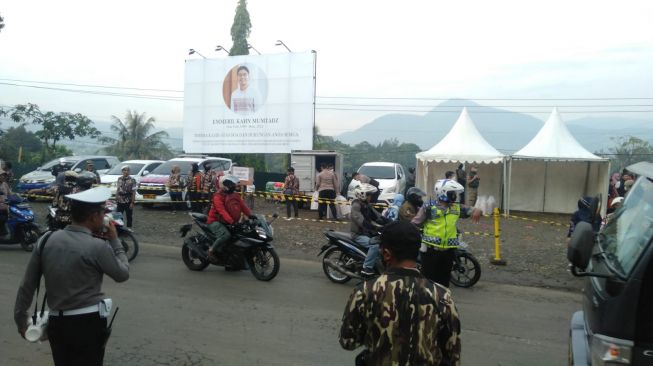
245	89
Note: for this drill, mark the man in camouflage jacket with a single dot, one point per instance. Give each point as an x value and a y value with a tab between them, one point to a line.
401	317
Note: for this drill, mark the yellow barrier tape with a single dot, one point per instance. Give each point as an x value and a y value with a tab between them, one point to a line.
535	220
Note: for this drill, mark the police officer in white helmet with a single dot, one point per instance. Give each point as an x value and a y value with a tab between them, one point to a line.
440	232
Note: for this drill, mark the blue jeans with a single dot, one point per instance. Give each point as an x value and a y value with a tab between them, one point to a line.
372	245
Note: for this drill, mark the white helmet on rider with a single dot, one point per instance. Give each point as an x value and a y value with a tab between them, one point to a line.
446	190
362	190
230	182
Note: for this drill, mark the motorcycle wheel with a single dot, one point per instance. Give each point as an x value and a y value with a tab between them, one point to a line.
335	254
30	236
192	261
129	243
466	270
264	263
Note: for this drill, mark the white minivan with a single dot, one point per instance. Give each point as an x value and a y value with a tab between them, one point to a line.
391	178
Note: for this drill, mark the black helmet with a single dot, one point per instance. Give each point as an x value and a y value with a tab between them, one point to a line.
414	195
85	180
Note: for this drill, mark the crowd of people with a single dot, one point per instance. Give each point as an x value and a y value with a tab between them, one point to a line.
423	328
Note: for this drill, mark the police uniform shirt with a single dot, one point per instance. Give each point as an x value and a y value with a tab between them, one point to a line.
73	264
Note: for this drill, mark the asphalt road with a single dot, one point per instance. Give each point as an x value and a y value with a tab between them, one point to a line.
172	316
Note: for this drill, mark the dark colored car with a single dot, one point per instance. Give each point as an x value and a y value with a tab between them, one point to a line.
615	326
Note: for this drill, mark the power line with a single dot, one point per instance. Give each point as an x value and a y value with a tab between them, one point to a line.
140	96
490	112
93	86
483	106
339	97
493	99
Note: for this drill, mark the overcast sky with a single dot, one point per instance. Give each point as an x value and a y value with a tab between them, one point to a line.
365	48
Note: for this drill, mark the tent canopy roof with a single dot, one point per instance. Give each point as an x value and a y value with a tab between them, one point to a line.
462	144
555	142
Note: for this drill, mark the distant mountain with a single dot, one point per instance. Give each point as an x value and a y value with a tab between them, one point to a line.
508	132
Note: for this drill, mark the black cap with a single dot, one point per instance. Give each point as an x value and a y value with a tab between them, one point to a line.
400	234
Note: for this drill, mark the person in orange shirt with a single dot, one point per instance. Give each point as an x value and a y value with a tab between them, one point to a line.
195	188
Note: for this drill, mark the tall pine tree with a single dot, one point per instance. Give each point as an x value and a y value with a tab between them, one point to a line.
240	30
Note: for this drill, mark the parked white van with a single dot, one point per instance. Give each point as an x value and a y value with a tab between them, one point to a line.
391	178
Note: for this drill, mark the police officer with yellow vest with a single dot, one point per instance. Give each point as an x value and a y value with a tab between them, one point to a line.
440	232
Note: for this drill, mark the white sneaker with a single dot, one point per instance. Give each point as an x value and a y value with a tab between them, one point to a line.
288	218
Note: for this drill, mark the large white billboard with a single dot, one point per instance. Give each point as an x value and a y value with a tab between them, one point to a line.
249	104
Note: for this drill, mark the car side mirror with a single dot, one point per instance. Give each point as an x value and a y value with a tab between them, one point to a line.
78	170
580	247
146	172
38	168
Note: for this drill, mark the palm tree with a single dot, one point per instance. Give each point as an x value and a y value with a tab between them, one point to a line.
135	140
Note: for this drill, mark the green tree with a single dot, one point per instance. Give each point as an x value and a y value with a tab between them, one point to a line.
628	150
136	139
54	127
240	30
15	138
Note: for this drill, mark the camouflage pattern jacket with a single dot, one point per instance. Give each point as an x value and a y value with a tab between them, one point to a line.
402	318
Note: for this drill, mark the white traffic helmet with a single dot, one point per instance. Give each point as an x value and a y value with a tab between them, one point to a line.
362	190
446	189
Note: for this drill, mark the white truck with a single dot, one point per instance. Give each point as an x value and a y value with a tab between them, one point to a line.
307	166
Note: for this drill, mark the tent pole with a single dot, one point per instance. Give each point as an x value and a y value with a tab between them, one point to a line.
587	179
509	185
546	173
503	187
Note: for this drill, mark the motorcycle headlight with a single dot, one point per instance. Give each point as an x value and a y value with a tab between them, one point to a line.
610	351
261	232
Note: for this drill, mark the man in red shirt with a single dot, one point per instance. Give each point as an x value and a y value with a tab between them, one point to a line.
227	209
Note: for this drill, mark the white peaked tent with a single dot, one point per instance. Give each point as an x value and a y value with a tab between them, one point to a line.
553	171
463	144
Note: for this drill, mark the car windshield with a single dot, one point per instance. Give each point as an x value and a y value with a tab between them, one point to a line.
221	165
378	172
134	168
629	230
48	166
165	168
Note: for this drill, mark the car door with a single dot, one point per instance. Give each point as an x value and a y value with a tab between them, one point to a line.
401	181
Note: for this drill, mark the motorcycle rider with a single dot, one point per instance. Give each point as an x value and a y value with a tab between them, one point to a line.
226	209
440	234
365	223
414	200
69	186
73	183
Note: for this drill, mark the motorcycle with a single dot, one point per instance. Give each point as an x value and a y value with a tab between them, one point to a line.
466	270
250	247
20	227
125	234
343	260
343	257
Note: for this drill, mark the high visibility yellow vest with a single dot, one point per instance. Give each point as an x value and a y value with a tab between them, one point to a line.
440	230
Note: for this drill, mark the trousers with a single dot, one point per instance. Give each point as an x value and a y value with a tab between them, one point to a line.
221	233
129	212
77	340
372	246
329	194
437	264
